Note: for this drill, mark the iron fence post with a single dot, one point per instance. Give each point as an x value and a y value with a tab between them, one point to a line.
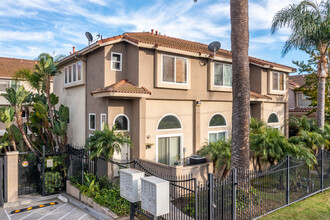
234	188
1	179
195	189
288	180
132	211
210	182
322	169
43	170
82	168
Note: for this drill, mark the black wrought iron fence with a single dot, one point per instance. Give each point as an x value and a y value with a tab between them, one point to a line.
243	194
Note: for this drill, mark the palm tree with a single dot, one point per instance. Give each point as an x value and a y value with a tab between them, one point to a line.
241	83
106	142
220	153
309	23
40	80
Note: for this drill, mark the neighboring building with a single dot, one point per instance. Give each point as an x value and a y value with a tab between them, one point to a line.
8	67
168	94
298	102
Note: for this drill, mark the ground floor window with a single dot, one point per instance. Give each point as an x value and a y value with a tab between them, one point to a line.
214	136
169	150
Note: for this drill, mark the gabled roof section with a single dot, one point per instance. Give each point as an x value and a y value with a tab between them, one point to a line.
8	66
298	80
303	109
122	88
184	45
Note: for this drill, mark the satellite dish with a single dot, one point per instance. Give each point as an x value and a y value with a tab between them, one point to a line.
89	37
214	47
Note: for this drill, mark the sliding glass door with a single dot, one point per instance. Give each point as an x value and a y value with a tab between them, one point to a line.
169	150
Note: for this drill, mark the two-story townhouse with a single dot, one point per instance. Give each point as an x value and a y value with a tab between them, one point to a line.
8	67
298	102
170	95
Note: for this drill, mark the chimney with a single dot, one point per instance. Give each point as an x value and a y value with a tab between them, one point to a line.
73	49
70	53
156	32
152	31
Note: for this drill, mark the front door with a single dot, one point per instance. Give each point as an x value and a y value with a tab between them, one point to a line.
123	156
169	150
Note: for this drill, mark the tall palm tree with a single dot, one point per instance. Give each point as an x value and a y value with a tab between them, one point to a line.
241	83
309	23
106	142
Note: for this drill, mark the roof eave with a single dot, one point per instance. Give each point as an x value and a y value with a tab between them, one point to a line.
120	94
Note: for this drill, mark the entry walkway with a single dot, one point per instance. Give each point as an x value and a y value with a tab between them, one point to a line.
60	211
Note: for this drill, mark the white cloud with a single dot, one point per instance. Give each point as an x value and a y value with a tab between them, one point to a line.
7	35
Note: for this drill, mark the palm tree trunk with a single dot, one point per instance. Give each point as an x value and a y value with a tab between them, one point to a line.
241	83
322	75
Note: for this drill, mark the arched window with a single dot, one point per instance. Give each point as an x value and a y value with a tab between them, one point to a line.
169	122
217	120
122	123
273	118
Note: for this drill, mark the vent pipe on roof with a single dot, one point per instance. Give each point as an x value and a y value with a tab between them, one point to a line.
73	49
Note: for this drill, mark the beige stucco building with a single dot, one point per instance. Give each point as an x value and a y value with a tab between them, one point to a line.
170	95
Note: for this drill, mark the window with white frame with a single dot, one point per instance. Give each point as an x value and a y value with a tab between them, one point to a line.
273	119
169	122
222	74
174	69
169	149
73	73
215	136
217	120
103	121
278	81
121	122
92	121
7	83
116	61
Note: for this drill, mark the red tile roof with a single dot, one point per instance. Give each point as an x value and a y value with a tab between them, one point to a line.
184	45
123	86
301	109
8	66
258	95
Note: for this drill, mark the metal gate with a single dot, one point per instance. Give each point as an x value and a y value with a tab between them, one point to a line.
28	173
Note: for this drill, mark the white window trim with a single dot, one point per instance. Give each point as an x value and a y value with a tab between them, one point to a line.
174	83
101	122
278	82
66	76
120	62
223	126
273	123
174	129
216	132
90	135
128	122
19	83
219	86
89	121
171	135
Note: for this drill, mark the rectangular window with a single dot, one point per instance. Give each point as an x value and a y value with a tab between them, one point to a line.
169	149
70	74
218	135
79	70
174	69
278	81
116	61
4	84
92	121
222	74
65	75
15	84
74	72
103	120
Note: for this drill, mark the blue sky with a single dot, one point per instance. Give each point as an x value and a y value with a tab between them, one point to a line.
30	27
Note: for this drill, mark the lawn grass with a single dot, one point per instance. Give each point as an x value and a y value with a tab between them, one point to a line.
315	207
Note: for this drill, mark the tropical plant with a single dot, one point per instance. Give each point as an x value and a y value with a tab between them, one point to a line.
297	124
12	136
241	83
220	154
106	142
309	23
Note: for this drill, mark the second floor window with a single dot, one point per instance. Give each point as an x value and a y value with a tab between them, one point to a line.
116	61
174	70
72	73
278	81
5	84
222	74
